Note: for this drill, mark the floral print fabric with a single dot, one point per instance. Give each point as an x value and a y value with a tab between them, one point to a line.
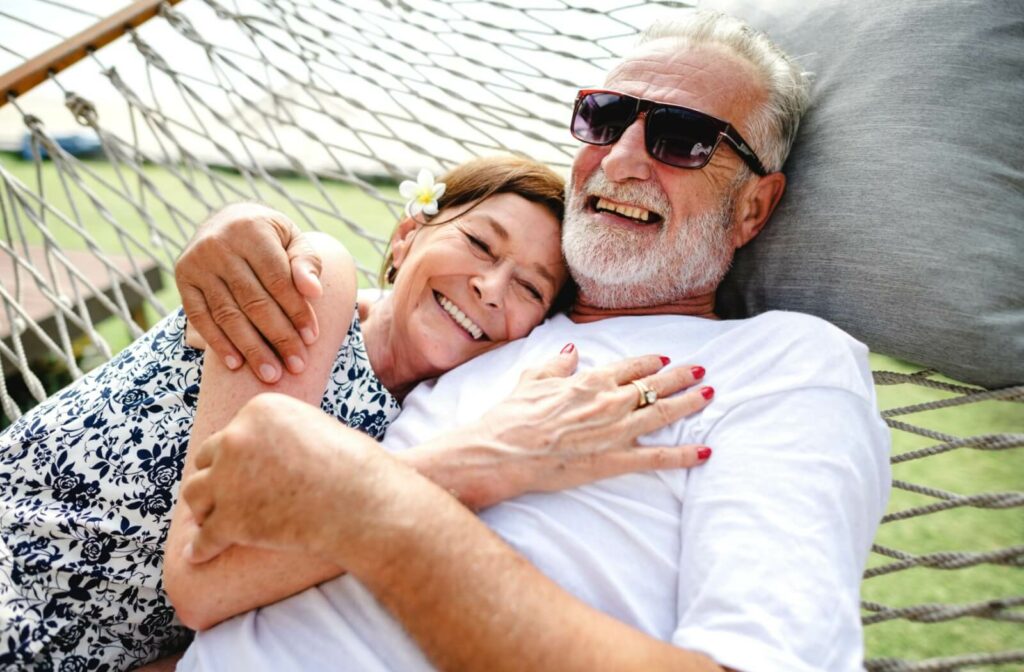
87	483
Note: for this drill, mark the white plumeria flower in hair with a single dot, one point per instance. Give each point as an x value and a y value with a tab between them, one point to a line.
423	194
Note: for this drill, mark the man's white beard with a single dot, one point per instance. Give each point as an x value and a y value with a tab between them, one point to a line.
619	267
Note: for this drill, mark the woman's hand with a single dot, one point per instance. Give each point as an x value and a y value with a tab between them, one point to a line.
558	430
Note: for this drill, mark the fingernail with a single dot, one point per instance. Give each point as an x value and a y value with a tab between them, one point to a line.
232	362
296	365
190	551
703	453
569	347
268	373
307	335
665	360
697	371
707	392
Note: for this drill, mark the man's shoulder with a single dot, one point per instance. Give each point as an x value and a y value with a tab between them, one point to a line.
784	351
779	328
791	329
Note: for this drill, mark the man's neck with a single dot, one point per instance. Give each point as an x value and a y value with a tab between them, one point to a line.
696	306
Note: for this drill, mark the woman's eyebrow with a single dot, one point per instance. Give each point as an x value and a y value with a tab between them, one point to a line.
499	230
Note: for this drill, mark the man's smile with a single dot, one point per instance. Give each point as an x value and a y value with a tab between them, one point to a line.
635	213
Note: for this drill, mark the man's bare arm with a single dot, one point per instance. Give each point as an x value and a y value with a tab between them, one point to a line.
469	600
472	603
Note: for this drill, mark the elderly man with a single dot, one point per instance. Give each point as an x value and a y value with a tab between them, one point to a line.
751	563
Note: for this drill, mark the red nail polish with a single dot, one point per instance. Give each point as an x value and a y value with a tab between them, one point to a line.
703	453
697	371
569	347
665	360
707	392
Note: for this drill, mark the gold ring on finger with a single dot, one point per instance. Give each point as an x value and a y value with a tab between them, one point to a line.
647	395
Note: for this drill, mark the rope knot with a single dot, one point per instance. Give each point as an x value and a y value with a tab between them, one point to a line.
222	12
82	109
149	53
34	123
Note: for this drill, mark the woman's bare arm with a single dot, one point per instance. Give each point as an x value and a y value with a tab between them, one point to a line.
244	578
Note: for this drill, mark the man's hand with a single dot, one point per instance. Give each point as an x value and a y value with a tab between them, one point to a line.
282	475
245	281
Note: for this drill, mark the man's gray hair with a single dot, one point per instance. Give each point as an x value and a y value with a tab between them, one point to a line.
772	128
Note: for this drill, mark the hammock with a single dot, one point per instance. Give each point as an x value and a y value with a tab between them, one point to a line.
318	107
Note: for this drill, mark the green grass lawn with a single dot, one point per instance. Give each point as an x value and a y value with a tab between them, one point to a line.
963	471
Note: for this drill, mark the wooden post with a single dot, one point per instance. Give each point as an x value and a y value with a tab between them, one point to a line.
37	70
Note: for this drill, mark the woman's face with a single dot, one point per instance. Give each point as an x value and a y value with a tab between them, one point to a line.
466	286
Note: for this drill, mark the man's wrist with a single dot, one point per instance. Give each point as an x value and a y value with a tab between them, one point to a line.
385	516
368	508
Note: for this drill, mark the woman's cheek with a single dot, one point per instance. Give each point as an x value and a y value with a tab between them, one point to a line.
524	322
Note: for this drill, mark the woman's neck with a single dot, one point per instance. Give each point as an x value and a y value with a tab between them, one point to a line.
395	373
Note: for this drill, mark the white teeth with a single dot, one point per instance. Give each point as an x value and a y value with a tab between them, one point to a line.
460	317
624	210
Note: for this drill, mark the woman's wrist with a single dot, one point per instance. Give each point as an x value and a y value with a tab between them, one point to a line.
455	462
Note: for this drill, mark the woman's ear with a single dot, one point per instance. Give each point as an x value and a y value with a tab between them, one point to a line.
401	240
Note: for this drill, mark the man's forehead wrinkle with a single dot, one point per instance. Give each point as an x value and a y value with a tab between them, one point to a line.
707	78
656	76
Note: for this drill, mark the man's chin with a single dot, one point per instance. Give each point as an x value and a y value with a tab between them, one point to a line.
612	295
641	286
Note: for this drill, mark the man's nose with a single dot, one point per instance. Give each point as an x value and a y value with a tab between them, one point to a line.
627	158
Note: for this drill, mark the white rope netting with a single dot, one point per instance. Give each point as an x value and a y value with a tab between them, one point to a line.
318	107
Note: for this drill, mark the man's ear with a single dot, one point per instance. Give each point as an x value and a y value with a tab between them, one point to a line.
755	204
401	240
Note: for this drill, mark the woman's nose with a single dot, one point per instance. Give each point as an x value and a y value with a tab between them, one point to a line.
491	286
627	157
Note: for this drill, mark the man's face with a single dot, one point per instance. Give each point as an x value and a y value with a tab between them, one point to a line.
686	245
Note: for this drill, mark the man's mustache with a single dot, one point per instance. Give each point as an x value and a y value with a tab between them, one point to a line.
647	195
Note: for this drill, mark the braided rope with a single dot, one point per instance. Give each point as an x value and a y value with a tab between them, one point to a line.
975	396
993	442
944	664
1012	557
997	609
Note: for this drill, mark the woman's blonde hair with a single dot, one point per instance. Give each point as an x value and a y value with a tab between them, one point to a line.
478	179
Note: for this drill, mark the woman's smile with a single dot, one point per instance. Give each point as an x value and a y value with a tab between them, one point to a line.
459	318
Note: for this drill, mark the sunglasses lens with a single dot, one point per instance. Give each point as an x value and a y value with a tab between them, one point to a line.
681	138
601	117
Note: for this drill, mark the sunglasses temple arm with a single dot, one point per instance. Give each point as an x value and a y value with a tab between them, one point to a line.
746	153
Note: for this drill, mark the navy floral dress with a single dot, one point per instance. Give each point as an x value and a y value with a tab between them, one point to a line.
87	483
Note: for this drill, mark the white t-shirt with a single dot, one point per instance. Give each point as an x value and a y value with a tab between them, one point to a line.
754	558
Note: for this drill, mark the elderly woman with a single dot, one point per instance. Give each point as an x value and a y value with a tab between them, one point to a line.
90	476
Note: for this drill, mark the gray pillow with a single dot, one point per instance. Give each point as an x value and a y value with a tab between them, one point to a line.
903	219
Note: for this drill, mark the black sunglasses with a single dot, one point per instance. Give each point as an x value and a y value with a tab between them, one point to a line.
675	135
